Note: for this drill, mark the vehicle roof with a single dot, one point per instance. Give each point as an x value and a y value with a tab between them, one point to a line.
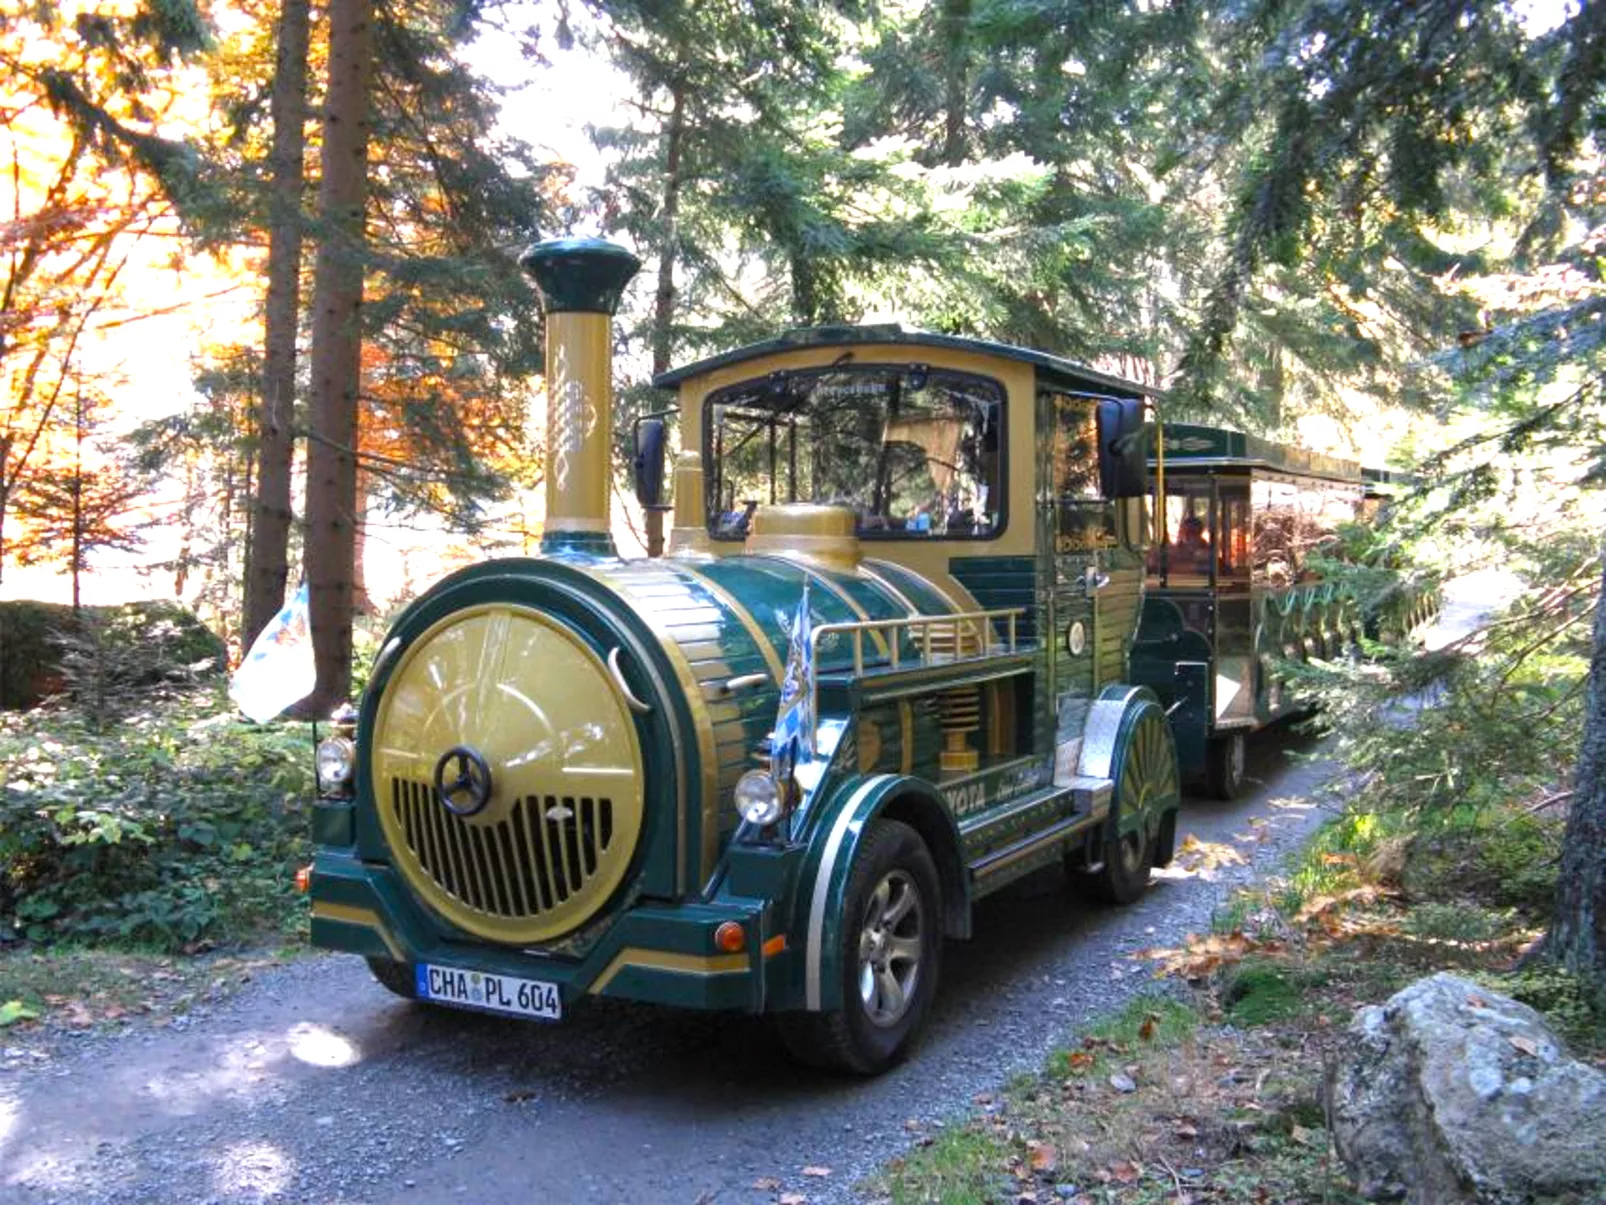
1051	369
1193	445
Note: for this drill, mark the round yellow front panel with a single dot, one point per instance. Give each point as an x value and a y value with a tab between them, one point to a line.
514	691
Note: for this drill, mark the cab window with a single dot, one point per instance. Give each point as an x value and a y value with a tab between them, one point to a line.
915	452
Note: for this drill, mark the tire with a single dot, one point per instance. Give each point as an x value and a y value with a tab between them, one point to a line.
1148	771
889	967
1123	874
1224	766
394	977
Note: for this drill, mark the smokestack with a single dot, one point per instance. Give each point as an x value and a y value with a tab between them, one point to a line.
581	281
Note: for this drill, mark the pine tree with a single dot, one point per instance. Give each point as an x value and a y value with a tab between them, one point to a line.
335	359
85	501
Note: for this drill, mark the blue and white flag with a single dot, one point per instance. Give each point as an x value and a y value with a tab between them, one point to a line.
789	742
279	669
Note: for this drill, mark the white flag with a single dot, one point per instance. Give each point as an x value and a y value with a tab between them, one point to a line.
279	669
789	742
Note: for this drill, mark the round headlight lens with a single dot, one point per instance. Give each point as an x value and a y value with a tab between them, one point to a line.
335	760
758	798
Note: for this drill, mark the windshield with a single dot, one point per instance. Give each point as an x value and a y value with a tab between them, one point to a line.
913	451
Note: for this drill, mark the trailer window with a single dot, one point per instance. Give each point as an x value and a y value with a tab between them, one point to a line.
1232	530
915	452
1183	556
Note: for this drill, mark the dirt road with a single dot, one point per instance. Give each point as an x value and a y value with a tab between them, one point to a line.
314	1084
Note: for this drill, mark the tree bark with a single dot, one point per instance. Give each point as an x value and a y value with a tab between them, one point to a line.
335	358
1577	937
663	302
268	559
954	25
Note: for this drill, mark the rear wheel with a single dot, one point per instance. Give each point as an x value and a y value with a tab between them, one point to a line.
1123	873
1224	766
1145	788
891	945
394	977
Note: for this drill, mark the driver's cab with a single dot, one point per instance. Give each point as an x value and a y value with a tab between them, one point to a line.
974	476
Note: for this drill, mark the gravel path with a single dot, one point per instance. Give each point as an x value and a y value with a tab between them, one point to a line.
314	1084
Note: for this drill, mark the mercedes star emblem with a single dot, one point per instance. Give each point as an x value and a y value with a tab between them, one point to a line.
463	781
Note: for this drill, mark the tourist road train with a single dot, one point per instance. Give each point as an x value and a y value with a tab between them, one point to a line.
935	613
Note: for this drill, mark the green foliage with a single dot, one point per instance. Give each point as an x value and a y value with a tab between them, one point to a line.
1260	993
13	1011
1496	859
174	826
1576	1012
102	656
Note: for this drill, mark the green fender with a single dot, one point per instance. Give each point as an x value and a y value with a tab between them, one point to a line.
1148	776
842	823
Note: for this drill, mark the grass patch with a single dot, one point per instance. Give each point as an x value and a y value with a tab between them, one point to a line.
1261	991
73	986
1155	1104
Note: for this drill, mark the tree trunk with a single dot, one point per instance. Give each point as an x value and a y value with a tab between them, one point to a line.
663	304
1577	936
267	568
361	602
954	25
335	358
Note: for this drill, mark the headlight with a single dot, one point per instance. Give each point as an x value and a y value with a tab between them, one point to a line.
758	798
335	760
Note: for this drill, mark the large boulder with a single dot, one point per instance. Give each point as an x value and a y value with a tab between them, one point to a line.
1452	1093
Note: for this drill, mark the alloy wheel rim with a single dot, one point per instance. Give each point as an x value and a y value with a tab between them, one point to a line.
891	945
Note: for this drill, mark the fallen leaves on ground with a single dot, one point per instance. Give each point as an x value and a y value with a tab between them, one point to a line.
1195	856
1201	956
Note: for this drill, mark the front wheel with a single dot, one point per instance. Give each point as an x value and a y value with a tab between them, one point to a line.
1224	766
890	948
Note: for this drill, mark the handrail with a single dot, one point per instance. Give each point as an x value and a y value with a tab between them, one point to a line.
978	623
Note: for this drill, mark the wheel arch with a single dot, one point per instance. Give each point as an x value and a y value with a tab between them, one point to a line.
852	809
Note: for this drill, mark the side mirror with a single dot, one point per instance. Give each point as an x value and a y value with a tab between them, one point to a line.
1123	449
648	467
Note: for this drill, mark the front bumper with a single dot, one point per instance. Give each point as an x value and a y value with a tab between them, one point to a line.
660	953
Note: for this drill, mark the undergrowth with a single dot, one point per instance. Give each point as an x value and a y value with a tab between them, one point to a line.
171	827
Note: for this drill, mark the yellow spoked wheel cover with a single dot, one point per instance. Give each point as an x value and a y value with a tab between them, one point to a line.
564	813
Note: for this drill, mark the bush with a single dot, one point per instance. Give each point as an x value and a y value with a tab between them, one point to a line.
175	825
101	656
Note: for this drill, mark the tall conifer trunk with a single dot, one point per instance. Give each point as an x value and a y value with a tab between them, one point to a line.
663	302
1578	931
267	557
335	358
955	32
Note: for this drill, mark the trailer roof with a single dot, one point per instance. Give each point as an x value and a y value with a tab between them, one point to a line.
1198	446
1051	369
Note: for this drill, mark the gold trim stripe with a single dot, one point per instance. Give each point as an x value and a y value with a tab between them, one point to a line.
702	965
366	918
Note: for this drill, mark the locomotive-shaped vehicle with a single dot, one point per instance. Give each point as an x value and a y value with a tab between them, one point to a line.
882	671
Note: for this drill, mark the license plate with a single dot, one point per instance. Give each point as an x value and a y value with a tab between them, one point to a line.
496	993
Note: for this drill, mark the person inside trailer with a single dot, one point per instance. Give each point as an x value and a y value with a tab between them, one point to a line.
1191	552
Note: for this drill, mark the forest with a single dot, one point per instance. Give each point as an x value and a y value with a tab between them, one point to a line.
1376	229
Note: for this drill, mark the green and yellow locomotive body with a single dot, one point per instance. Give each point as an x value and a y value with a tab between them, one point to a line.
927	552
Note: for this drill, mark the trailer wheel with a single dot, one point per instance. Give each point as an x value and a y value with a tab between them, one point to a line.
890	950
1145	784
394	977
1224	766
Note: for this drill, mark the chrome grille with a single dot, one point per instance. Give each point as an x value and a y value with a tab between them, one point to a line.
542	853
